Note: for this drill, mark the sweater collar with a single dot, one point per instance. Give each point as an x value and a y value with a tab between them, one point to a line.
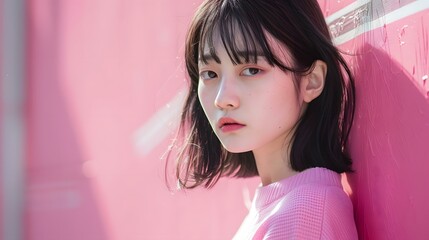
265	195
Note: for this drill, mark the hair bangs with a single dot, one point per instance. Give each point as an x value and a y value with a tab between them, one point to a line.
242	37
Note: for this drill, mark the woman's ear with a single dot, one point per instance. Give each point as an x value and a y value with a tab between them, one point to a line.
312	84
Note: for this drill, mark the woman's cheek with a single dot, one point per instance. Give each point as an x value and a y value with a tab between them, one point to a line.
205	100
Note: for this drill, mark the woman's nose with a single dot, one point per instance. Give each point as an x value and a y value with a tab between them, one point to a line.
227	97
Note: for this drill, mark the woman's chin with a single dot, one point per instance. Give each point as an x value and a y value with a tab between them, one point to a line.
236	149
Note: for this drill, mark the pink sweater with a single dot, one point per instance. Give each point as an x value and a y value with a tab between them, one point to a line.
308	205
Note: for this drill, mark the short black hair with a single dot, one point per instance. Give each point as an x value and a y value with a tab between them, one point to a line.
321	133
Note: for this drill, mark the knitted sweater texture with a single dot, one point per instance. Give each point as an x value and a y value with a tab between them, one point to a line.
309	205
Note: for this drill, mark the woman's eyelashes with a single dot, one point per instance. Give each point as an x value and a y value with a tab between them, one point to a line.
251	71
207	75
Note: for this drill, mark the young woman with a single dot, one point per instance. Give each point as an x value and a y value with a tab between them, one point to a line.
271	96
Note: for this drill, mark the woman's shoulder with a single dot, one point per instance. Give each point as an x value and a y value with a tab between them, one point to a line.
319	195
313	200
316	188
316	203
316	210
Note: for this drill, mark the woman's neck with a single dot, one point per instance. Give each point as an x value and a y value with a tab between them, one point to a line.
273	163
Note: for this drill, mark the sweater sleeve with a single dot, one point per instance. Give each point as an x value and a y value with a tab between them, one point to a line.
338	220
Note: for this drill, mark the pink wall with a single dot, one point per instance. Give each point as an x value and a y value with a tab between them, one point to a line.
98	72
101	78
60	200
391	132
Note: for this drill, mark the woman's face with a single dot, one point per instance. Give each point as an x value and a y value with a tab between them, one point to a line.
250	106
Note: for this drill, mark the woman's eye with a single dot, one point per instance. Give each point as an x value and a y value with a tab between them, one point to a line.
251	71
208	75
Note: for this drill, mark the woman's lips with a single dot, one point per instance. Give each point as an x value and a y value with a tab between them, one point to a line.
229	125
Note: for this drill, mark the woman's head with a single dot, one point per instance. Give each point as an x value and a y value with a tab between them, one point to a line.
290	36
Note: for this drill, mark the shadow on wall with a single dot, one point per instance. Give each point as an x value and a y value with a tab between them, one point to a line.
389	146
